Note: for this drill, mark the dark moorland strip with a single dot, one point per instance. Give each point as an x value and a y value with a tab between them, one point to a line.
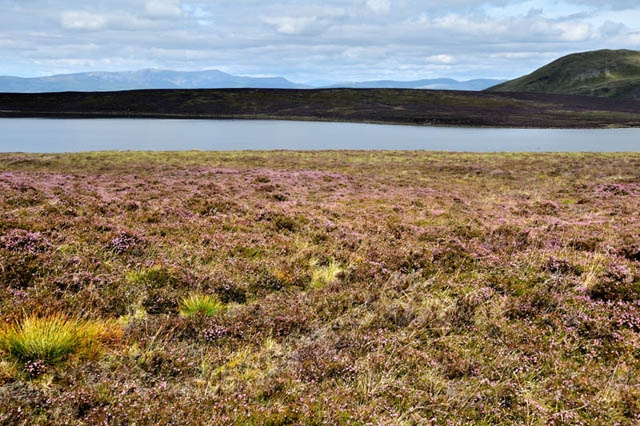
393	106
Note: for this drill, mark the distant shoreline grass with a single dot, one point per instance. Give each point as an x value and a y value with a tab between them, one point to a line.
9	114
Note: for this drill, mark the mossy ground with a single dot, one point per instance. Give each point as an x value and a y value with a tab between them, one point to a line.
464	288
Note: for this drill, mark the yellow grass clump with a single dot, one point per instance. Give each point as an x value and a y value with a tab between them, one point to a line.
323	275
54	338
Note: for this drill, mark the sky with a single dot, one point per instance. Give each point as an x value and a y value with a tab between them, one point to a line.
310	41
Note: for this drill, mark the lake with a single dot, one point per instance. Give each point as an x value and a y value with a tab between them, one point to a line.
73	135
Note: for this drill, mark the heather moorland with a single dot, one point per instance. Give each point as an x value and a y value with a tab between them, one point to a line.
319	288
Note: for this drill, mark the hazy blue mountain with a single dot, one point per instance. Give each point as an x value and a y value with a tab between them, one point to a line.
144	79
434	84
212	79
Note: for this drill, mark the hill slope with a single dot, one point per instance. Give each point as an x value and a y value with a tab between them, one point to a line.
603	73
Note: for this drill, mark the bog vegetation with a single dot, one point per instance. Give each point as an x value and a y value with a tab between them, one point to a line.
319	288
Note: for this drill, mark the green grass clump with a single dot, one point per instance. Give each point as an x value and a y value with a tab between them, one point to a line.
52	339
201	304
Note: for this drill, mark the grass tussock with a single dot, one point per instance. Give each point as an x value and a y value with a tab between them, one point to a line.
201	304
54	338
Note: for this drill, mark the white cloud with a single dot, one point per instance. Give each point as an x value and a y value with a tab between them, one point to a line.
531	27
609	4
441	59
455	23
573	31
634	39
291	26
364	53
163	8
379	6
521	55
612	29
80	20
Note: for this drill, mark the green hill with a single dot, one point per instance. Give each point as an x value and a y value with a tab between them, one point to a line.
603	73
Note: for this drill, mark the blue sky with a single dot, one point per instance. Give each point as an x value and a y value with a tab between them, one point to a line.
309	40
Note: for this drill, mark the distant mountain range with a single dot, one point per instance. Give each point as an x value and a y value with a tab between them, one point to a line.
144	79
601	73
212	79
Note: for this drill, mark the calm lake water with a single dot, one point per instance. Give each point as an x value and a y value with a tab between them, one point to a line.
71	135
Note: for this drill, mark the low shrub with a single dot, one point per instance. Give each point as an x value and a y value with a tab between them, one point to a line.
160	301
284	223
19	270
321	360
617	282
230	292
279	221
124	243
629	248
155	276
24	241
562	267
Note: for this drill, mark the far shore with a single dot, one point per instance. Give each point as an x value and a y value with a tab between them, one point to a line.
375	106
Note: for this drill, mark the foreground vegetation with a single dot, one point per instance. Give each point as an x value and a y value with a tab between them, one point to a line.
394	106
319	288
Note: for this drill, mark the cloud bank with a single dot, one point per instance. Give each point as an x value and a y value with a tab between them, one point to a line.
309	40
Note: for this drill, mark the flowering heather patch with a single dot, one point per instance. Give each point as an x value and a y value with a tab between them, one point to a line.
23	241
618	189
35	368
124	242
342	287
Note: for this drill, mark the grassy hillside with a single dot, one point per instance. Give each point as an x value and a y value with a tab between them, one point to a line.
309	288
603	73
401	106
